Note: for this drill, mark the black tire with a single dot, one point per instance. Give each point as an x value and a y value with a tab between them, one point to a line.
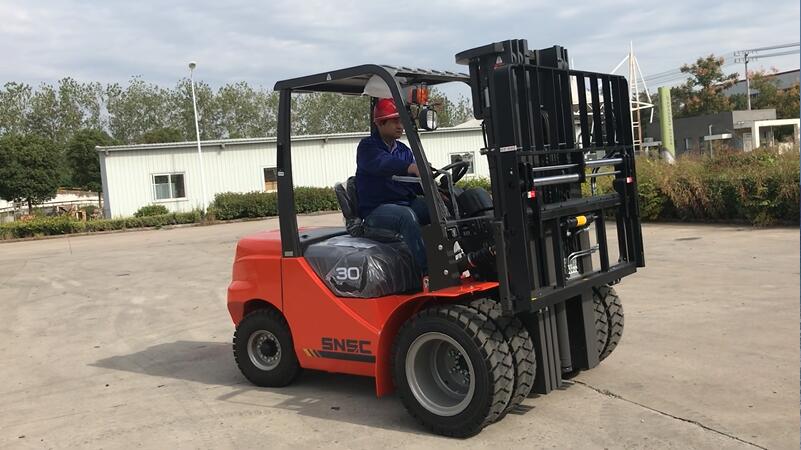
481	350
263	349
608	320
520	345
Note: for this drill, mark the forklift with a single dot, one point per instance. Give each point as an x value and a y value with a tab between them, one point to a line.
518	295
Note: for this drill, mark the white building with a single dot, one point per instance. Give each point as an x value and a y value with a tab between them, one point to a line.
168	174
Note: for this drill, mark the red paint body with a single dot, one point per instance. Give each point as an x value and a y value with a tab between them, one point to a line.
261	275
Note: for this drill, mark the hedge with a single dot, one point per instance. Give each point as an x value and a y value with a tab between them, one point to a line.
231	205
46	226
226	206
759	187
151	210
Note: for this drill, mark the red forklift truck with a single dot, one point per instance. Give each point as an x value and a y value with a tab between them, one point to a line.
518	295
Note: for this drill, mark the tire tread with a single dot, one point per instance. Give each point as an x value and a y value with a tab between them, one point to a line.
609	320
496	358
521	347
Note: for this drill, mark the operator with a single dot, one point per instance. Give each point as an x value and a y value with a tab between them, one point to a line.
383	202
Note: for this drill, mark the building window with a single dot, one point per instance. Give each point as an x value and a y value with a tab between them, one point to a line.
168	186
270	179
468	156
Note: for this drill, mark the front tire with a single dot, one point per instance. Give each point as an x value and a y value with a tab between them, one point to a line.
608	320
453	370
263	349
520	346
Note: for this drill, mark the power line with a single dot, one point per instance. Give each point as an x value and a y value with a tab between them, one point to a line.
772	47
747	55
677	75
755	57
671	75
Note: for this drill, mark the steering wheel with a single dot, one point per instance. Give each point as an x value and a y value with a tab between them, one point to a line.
458	170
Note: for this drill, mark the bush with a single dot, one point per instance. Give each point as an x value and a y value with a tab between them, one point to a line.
232	205
151	210
475	182
65	225
759	187
652	201
40	226
90	210
310	199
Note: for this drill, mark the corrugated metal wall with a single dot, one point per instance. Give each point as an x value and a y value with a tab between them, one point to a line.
237	166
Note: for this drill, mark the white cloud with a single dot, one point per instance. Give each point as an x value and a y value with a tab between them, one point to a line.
264	42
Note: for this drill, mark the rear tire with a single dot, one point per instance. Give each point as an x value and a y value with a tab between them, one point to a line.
263	349
520	345
608	320
453	370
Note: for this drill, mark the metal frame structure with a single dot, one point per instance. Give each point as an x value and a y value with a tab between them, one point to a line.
636	105
352	81
524	98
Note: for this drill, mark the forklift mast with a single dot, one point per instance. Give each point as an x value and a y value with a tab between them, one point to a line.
533	106
547	130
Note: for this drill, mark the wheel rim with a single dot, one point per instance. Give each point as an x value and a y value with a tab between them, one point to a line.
440	374
264	350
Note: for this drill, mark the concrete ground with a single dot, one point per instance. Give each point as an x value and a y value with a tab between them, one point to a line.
123	340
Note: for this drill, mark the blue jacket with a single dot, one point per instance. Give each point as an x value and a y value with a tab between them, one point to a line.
375	166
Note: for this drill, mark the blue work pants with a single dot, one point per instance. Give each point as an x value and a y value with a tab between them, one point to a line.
405	220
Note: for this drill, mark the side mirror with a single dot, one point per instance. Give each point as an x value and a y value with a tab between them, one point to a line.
427	119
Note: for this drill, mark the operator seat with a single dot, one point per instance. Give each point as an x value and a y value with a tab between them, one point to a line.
366	263
349	205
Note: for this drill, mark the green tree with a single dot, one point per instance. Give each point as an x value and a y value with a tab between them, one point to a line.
43	117
28	169
144	112
242	111
788	106
160	135
702	93
137	109
765	86
323	113
451	113
182	115
91	100
15	103
70	107
83	160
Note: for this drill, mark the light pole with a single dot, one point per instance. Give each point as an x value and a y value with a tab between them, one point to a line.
747	81
192	66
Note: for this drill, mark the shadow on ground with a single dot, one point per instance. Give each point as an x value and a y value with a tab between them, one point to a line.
345	398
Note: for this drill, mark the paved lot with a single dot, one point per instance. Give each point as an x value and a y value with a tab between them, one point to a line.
123	340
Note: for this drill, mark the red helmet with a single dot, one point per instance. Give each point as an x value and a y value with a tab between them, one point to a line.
385	109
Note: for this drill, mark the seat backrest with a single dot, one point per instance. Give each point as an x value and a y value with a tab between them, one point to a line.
349	205
350	186
348	201
346	205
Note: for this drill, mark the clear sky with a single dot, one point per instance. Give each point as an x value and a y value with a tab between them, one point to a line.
264	41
